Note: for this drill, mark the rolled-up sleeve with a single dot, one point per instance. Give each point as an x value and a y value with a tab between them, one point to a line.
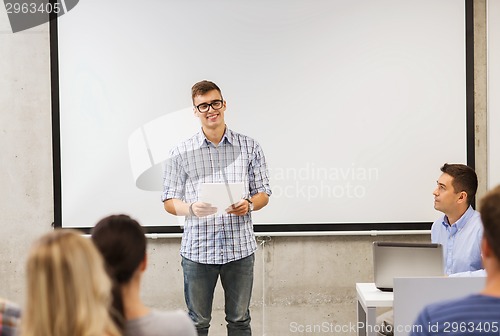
258	174
174	178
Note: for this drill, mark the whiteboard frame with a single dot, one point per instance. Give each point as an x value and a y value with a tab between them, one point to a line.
283	229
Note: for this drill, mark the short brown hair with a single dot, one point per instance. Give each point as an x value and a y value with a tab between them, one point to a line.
203	87
464	179
490	216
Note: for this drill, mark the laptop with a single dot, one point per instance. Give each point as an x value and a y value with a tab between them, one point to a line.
397	260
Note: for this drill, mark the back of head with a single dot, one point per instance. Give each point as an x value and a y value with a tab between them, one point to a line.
464	179
68	290
490	216
122	243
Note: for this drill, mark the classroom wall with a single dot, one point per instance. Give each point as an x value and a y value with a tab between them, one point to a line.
299	281
493	67
26	205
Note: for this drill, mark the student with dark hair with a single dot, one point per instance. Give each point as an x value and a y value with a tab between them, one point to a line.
122	242
477	314
216	244
459	230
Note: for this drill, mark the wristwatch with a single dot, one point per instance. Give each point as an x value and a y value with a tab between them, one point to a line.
250	205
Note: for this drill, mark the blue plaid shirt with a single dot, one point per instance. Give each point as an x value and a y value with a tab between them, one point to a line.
10	315
220	238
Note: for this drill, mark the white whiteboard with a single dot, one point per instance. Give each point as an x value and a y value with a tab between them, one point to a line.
356	104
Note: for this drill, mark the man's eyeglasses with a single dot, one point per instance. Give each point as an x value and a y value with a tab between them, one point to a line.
216	105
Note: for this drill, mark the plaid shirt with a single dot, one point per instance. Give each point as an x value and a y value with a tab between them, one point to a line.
220	238
9	318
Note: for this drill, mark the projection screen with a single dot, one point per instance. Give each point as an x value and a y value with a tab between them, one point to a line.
356	104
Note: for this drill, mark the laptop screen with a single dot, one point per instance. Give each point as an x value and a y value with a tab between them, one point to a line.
395	260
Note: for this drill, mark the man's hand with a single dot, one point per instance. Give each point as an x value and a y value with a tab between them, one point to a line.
202	209
238	209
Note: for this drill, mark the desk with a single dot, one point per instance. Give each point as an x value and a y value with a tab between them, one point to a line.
369	298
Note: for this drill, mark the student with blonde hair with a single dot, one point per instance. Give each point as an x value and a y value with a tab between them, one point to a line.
68	289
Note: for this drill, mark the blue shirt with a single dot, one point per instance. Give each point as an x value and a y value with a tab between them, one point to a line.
220	238
473	315
461	242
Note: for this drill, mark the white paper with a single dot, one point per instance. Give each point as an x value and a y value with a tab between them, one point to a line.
221	195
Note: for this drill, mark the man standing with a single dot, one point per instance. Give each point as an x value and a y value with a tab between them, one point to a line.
477	314
460	229
213	243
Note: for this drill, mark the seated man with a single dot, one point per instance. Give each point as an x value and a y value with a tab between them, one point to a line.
459	229
477	314
9	318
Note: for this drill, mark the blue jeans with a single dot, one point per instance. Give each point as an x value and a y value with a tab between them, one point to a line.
237	281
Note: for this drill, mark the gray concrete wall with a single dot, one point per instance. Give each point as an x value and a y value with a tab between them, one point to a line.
299	281
26	205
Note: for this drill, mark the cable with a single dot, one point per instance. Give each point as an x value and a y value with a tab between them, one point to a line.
263	240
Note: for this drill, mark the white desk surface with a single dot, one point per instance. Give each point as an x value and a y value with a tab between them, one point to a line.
371	296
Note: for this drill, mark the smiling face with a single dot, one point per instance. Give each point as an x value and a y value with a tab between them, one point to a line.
212	119
446	198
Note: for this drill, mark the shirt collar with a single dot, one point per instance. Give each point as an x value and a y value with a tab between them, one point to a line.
462	221
202	140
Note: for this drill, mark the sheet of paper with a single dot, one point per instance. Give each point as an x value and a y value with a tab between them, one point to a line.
221	195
